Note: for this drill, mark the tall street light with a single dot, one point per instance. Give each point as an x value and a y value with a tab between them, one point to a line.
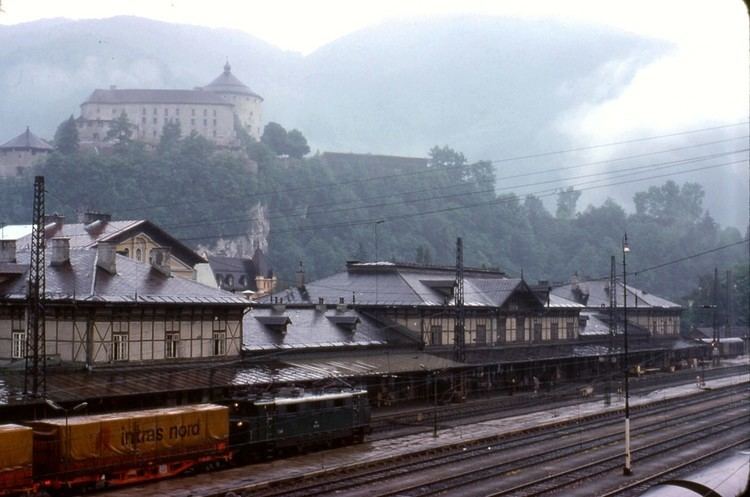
626	470
57	407
435	399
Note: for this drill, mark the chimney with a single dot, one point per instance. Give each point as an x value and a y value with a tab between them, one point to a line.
60	251
301	276
106	257
91	217
56	219
341	307
159	260
321	306
8	251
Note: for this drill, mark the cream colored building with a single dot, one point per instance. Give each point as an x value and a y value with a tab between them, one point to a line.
210	111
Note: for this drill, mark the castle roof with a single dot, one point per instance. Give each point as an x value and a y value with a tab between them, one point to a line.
228	83
142	96
27	141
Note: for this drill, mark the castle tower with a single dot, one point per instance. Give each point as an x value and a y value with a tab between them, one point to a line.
247	103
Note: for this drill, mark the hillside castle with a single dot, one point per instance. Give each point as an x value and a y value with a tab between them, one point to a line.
210	111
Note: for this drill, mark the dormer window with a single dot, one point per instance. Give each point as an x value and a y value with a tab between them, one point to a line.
348	323
275	323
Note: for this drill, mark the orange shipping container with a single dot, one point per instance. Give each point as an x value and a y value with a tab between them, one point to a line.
15	446
150	433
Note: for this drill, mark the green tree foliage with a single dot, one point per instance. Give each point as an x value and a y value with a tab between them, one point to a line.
275	137
296	144
324	212
279	141
66	137
121	130
170	136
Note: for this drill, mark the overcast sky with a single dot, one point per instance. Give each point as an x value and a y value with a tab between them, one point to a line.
304	25
702	82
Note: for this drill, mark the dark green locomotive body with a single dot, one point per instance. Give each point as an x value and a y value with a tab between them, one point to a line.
299	420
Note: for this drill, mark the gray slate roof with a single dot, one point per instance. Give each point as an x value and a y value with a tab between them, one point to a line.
309	328
82	281
27	141
88	235
147	97
226	82
404	284
595	294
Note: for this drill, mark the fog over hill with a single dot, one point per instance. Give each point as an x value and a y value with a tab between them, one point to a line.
492	88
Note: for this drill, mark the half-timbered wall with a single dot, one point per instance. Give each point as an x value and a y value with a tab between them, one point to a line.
130	334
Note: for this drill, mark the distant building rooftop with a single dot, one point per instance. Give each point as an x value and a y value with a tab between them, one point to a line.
26	141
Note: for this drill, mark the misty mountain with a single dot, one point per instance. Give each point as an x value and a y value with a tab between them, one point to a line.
492	88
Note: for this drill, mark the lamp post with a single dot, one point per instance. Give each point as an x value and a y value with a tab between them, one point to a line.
435	400
57	407
626	470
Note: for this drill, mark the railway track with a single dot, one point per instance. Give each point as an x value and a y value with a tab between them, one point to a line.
349	481
420	419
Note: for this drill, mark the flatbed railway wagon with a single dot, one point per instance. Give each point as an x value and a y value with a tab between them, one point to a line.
129	447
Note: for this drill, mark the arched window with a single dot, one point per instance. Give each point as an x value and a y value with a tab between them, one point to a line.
138	255
230	281
219	279
243	281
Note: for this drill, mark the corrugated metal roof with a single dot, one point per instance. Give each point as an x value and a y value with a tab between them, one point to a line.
102	383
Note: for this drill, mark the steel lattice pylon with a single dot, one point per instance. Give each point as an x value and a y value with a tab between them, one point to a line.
36	357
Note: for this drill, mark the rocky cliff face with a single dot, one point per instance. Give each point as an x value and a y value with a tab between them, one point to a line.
244	246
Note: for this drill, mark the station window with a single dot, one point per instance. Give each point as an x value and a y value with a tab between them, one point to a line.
205	112
143	111
19	345
538	331
436	334
143	120
192	122
205	122
554	331
219	337
177	111
166	111
156	120
481	334
219	343
172	345
520	329
501	330
569	330
119	346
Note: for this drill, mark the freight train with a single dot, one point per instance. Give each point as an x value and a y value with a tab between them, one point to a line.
103	450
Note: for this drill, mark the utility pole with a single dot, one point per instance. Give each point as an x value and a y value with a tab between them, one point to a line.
35	370
728	310
459	338
715	345
612	330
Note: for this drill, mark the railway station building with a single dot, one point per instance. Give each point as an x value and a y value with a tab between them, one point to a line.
103	309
